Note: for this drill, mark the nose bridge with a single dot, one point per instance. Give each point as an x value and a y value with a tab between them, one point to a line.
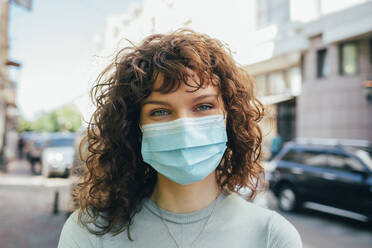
184	112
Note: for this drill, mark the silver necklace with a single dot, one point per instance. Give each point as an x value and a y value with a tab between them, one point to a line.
197	236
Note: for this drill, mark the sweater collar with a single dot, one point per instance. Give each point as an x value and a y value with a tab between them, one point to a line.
184	218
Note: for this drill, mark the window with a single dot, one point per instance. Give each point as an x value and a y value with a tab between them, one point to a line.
349	58
343	162
277	83
278	11
294	79
324	159
306	157
314	158
322	63
272	12
291	156
261	85
59	142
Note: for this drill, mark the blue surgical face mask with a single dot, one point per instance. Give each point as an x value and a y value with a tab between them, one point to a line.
185	150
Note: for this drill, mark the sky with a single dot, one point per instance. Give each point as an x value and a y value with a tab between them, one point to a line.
56	43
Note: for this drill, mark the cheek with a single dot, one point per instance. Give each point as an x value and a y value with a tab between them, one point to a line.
220	110
142	119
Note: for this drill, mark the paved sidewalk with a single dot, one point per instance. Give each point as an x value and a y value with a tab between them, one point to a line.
27	204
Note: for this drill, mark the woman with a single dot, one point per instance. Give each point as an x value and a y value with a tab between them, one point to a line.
174	137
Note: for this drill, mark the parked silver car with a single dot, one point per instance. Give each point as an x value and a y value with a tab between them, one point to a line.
58	155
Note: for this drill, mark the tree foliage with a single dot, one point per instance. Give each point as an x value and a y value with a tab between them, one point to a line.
66	118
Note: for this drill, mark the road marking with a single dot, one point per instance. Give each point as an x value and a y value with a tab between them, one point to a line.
336	211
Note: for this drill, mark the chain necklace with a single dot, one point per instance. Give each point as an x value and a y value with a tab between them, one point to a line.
197	236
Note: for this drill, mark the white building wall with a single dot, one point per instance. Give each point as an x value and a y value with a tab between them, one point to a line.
229	21
233	22
330	6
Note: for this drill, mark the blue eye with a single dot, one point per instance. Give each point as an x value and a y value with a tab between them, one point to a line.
204	107
161	112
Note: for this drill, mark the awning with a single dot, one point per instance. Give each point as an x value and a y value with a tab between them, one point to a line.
277	63
268	100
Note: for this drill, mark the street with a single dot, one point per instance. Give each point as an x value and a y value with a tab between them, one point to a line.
27	218
27	204
324	230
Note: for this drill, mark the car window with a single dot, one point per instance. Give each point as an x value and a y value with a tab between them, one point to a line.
363	153
365	157
291	156
39	143
313	158
343	162
61	142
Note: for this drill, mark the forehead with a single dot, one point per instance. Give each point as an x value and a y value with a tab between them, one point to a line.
191	86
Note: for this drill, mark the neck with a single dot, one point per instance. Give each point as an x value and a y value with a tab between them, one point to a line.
178	198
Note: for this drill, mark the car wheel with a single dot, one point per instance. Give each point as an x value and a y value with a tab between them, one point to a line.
287	199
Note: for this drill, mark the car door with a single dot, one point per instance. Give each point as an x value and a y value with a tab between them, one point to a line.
304	167
349	186
317	177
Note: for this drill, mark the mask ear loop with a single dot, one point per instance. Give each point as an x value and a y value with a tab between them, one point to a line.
140	132
225	117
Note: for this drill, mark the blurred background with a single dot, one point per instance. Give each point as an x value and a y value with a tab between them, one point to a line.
312	61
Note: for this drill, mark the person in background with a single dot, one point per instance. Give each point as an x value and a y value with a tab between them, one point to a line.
21	146
174	137
33	154
276	145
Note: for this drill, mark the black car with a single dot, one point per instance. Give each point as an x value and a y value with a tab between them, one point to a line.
335	175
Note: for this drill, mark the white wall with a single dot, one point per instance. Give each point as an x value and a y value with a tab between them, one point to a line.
229	21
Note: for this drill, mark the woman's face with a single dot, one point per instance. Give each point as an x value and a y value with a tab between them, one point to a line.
185	102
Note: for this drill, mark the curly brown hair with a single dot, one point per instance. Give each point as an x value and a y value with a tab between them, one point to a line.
117	179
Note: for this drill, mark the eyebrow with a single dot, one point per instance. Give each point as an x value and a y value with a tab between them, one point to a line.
204	96
198	98
155	102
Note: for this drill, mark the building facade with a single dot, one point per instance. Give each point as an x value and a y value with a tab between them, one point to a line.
4	6
316	75
8	108
336	67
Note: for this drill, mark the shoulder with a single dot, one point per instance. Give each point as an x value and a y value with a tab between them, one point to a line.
278	231
233	205
281	233
75	234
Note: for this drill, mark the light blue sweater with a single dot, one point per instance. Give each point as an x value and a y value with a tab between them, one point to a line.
234	223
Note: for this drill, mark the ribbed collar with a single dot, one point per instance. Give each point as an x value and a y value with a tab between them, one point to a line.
183	218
